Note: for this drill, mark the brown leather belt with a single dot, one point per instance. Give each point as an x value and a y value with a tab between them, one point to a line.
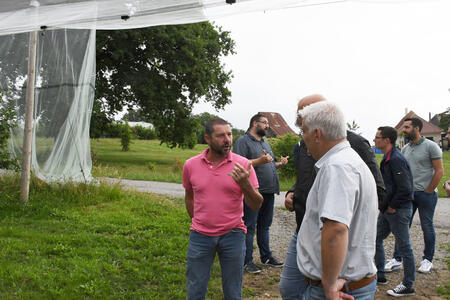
351	286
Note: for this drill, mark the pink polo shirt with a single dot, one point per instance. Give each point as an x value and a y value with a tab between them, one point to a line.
218	199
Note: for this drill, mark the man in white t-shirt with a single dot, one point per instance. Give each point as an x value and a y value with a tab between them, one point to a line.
336	241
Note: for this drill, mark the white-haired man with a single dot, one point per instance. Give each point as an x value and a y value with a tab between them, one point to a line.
336	241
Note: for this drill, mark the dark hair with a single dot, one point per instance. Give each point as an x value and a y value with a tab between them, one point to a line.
209	126
389	133
415	123
256	118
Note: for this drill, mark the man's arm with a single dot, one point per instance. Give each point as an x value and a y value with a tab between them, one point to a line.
438	173
251	195
447	187
189	201
334	250
263	159
284	160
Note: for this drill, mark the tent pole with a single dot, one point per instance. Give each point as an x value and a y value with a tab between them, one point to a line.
28	130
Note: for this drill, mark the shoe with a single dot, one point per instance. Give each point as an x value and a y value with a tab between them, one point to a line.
252	268
271	261
425	266
393	265
401	291
381	280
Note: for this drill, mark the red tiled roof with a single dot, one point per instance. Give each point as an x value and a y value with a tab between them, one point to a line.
428	128
277	124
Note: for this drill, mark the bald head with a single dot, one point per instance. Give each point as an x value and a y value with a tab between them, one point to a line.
308	100
305	101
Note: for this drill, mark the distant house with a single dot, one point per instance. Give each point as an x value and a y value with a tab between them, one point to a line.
429	130
278	125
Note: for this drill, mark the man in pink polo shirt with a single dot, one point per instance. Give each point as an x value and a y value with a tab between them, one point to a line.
216	182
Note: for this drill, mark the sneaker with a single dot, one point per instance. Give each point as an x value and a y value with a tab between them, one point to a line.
425	266
252	268
393	265
401	291
381	280
273	262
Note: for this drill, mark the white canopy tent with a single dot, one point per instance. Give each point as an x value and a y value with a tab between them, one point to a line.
63	76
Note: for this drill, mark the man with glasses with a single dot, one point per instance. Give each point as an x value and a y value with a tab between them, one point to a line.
253	147
395	215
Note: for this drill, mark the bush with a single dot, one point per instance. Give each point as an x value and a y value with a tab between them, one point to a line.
143	133
283	146
125	136
8	120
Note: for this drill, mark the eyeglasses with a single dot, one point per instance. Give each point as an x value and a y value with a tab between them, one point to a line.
265	122
379	137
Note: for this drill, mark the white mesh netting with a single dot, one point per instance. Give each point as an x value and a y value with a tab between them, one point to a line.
64	94
65	69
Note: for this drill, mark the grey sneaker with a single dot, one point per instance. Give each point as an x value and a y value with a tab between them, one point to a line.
252	268
273	262
401	291
393	265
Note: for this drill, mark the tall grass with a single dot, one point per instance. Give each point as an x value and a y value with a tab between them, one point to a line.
95	241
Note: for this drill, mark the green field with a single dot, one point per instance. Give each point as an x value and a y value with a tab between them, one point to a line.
148	160
93	242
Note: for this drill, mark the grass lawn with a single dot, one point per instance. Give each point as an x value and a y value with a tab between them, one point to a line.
148	160
93	242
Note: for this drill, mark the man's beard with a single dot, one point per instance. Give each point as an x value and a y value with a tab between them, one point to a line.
261	132
220	149
410	136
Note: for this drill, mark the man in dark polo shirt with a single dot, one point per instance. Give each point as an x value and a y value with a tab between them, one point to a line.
253	147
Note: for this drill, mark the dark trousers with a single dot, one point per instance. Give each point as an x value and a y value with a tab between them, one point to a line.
259	220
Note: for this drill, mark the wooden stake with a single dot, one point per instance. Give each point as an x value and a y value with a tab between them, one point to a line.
28	130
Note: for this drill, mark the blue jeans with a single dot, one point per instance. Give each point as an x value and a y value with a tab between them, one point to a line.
202	250
398	224
364	293
292	283
425	203
261	220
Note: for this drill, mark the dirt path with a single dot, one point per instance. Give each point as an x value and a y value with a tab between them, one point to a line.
265	284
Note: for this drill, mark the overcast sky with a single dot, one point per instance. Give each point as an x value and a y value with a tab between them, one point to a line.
372	58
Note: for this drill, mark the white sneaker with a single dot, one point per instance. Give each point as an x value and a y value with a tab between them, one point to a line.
425	266
393	265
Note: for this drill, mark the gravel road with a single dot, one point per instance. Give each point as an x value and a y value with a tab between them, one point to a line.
441	217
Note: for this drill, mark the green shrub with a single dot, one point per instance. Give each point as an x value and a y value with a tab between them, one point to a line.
8	120
125	136
283	146
143	133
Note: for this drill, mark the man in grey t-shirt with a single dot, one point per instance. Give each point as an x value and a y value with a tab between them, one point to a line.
336	241
425	158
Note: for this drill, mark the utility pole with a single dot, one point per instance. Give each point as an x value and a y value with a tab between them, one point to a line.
28	130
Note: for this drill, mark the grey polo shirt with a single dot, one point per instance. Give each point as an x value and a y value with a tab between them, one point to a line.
249	147
344	191
420	157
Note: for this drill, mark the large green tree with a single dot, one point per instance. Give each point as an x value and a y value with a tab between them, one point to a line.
164	71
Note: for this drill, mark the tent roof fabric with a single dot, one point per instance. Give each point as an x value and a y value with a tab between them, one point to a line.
428	128
17	16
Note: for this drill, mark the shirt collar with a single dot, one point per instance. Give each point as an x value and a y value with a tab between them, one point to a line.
253	138
336	148
387	156
203	156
